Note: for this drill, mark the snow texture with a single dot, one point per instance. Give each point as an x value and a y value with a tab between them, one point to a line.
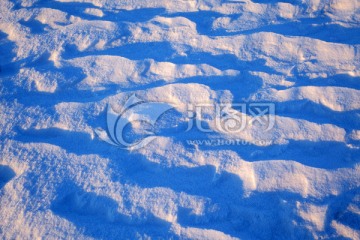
62	62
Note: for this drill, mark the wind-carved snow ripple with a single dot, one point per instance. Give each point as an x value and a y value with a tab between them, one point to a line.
70	59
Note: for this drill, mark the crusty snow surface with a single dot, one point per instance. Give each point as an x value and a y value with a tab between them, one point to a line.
62	62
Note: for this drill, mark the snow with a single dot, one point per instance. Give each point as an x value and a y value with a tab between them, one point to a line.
65	63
